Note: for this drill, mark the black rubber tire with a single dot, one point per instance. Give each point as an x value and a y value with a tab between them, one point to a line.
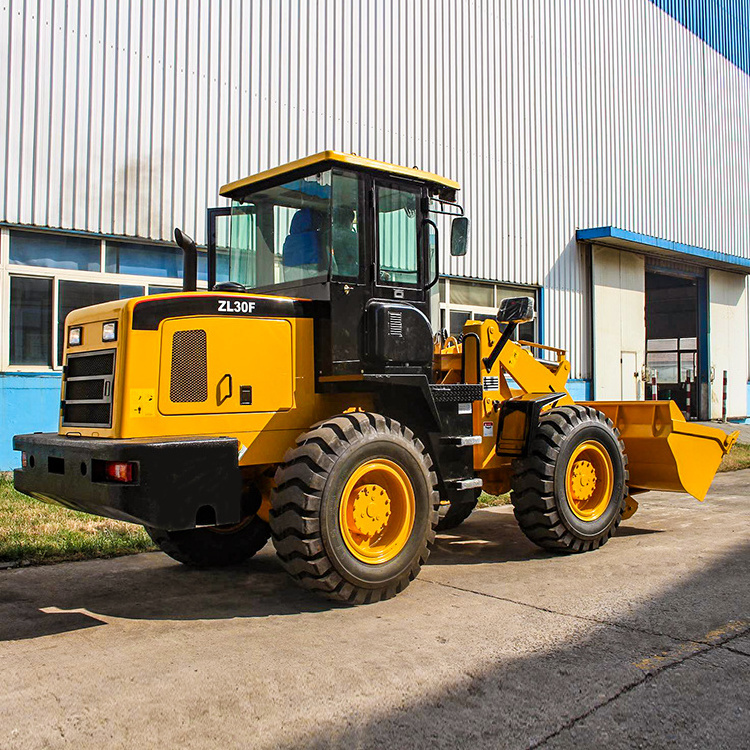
455	514
210	547
305	505
538	483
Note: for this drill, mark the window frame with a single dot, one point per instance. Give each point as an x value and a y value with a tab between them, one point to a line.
56	275
446	307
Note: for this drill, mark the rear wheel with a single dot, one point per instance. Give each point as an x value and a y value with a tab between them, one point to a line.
569	493
214	546
454	514
355	507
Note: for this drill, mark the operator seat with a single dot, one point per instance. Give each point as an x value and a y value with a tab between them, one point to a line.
302	247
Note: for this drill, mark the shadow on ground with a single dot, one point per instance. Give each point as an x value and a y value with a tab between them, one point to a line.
624	685
31	600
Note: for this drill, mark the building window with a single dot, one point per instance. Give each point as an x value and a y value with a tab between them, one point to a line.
72	295
30	321
49	275
474	300
72	253
144	260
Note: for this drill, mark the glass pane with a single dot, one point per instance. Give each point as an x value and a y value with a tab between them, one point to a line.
525	332
688	366
30	321
457	319
467	293
282	233
344	226
661	345
482	316
441	288
145	260
243	260
55	251
223	228
690	343
153	289
397	236
73	295
664	365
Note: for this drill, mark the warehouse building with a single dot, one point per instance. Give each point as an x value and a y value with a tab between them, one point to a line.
603	151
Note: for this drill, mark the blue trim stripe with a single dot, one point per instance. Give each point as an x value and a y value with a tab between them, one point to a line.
724	25
600	233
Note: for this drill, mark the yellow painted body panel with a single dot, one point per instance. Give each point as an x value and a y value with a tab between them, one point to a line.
351	160
254	351
276	354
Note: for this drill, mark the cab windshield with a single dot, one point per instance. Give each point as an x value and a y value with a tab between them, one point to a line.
301	231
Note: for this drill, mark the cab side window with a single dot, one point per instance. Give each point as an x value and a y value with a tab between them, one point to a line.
397	236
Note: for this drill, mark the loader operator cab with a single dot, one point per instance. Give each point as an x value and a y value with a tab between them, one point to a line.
358	237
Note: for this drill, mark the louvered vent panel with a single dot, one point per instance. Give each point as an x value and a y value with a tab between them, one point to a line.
395	324
189	378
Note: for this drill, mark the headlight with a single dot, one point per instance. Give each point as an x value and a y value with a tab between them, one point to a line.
109	331
75	336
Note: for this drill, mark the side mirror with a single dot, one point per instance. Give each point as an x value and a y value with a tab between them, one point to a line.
459	236
516	310
189	262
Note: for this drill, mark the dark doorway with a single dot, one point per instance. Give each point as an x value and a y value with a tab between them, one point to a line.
673	340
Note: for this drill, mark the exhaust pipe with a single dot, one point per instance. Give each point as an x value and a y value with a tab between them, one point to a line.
189	261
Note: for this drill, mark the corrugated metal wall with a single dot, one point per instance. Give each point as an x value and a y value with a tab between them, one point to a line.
124	117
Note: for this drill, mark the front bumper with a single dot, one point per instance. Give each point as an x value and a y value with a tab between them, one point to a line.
177	481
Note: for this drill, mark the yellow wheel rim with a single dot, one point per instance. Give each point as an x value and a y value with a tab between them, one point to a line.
376	511
589	480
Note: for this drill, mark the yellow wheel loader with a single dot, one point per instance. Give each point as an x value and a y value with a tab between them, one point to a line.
306	397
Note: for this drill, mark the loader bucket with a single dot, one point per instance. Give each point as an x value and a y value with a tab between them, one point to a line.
664	451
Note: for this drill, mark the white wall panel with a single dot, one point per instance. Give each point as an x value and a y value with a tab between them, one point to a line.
125	117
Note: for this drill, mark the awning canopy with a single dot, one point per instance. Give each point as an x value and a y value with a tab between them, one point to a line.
647	245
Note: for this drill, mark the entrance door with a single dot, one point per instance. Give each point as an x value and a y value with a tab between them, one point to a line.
629	376
672	340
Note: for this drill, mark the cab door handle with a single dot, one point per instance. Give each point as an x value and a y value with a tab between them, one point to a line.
219	398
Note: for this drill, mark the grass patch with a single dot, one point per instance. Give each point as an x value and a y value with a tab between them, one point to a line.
737	458
492	501
34	532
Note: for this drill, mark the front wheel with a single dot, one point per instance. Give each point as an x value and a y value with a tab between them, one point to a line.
355	507
569	492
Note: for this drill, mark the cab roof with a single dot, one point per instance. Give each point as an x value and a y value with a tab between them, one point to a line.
442	185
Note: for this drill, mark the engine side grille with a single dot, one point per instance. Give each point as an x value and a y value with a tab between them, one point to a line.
88	386
87	414
189	376
86	365
84	390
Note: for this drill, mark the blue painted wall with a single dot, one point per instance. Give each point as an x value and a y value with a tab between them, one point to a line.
724	25
29	402
579	390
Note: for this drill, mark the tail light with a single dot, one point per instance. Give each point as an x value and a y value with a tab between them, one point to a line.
121	471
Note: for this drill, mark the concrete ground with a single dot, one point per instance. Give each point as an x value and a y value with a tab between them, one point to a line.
644	643
743	429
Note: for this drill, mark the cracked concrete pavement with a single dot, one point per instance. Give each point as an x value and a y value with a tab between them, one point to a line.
644	643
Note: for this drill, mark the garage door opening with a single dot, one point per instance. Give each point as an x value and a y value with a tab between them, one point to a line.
673	341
